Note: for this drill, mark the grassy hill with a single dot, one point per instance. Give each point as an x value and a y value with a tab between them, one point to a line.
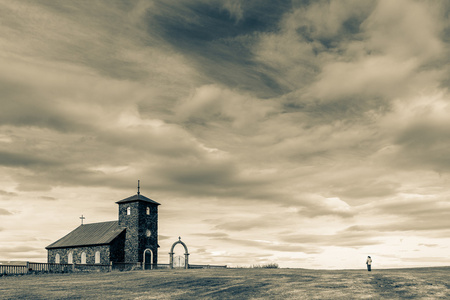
430	283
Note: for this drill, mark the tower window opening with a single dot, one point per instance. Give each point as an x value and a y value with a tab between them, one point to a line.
128	210
148	210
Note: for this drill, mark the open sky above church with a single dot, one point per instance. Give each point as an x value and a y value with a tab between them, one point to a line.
305	133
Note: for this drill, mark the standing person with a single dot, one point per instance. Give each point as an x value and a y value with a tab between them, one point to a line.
369	263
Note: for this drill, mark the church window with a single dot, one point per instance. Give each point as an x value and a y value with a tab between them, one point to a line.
70	258
57	258
83	258
97	257
148	210
128	210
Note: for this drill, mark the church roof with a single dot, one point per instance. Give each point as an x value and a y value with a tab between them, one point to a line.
90	234
138	197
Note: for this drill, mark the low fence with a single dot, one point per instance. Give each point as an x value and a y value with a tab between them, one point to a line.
13	269
35	268
49	268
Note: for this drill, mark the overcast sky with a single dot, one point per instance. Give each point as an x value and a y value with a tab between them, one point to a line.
305	133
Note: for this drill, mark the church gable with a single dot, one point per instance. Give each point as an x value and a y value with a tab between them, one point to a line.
90	234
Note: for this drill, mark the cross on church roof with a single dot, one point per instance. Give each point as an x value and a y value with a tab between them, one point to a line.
82	218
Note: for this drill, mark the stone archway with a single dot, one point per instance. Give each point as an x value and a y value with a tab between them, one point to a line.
186	254
151	258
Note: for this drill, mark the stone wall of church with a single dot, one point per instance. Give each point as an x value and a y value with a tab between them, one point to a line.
117	249
77	252
150	223
131	222
138	223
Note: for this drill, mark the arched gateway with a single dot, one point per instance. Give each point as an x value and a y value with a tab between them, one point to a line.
186	254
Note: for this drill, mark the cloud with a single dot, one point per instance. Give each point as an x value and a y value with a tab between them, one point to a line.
347	73
369	78
296	53
8	194
405	30
340	239
419	134
5	212
248	223
212	104
213	234
18	249
423	144
68	40
162	237
320	206
48	198
272	246
416	213
18	159
367	188
420	214
234	7
192	172
217	38
429	245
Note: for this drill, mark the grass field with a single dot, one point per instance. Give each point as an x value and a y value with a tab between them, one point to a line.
420	283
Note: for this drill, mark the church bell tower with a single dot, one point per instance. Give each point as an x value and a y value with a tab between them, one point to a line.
139	215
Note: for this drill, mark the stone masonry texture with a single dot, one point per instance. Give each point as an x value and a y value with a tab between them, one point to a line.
137	224
77	251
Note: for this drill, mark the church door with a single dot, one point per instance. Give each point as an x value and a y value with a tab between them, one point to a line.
148	259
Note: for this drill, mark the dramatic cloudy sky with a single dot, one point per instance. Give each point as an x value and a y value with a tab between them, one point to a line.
306	133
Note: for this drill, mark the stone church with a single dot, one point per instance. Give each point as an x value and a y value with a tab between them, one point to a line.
122	241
